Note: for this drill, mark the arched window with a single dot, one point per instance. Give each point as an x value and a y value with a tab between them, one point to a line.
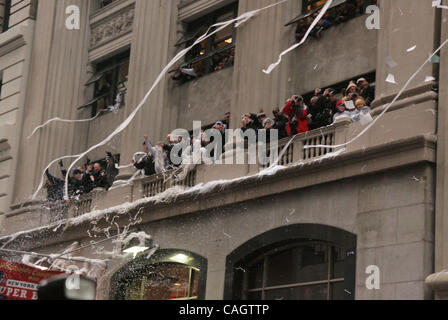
302	271
297	262
167	275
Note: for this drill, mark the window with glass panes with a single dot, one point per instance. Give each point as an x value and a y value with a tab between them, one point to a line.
110	82
220	43
302	271
164	281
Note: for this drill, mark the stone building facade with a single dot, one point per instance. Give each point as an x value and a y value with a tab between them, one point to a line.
308	230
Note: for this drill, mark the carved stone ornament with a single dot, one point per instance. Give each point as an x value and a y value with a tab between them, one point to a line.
112	28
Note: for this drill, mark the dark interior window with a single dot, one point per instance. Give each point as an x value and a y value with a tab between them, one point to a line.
214	53
304	271
6	8
110	83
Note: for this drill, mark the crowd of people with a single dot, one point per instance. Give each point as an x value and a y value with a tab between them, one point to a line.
195	70
83	179
297	116
323	109
339	14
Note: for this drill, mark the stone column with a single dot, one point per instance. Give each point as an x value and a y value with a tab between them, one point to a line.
150	53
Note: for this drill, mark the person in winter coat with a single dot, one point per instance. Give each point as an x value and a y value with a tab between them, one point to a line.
280	120
111	168
55	188
366	91
99	177
144	162
341	111
75	182
296	108
321	110
157	154
361	109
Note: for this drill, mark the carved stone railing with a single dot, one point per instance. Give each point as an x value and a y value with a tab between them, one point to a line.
156	184
297	150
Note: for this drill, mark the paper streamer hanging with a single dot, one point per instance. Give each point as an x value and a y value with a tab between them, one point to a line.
386	109
61	120
315	22
220	26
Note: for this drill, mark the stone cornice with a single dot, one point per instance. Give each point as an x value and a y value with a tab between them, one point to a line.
12	39
189	10
112	26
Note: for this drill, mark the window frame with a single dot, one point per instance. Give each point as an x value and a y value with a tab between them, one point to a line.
265	257
292	233
6	15
141	263
110	65
197	27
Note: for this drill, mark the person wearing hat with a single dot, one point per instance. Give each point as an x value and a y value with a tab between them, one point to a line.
280	122
366	91
261	117
111	168
341	111
268	125
296	109
352	92
76	185
361	109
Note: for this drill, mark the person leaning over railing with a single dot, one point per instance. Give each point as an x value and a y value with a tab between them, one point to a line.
296	108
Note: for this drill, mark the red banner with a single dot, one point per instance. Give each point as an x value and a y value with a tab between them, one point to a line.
19	282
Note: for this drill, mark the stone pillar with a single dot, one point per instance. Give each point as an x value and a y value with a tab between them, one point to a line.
56	84
150	53
440	282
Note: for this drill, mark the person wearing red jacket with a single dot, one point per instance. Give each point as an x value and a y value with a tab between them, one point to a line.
296	108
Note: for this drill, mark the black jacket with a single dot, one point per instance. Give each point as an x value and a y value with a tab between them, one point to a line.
147	165
100	180
55	189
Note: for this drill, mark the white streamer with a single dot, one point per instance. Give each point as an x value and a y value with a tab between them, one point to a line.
41	184
61	120
387	107
315	22
220	26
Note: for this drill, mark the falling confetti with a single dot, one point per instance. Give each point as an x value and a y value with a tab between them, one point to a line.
391	79
434	58
391	62
429	79
411	49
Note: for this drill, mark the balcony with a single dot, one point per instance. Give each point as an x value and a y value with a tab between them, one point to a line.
37	214
388	144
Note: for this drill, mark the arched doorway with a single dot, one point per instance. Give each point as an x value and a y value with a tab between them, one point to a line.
296	262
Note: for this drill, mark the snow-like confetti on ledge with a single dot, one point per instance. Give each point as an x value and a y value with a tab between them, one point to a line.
169	196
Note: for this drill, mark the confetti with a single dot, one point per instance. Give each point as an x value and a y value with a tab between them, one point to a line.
391	79
434	58
411	49
350	105
391	62
429	79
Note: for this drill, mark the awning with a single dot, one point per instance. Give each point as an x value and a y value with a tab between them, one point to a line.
92	101
95	78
